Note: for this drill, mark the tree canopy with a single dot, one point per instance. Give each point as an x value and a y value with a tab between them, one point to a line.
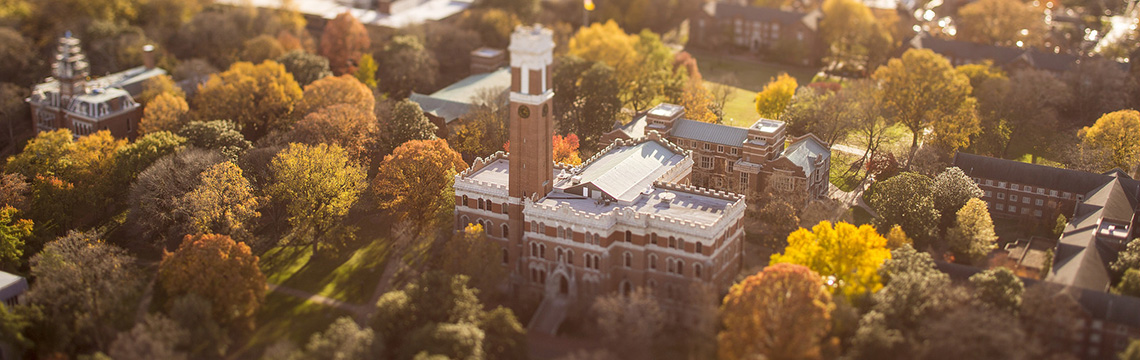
777	94
758	312
318	184
1002	22
334	90
406	123
1119	134
344	125
906	200
415	181
586	94
258	98
972	236
219	270
848	256
305	67
406	66
165	113
343	41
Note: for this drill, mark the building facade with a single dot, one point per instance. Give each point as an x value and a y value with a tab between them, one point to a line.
623	219
787	36
750	160
71	100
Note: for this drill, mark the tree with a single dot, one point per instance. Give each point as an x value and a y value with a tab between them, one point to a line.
505	337
566	149
979	73
158	85
366	71
586	95
1132	352
777	94
451	45
154	198
165	113
781	218
972	236
222	203
13	232
998	288
897	238
1021	109
14	191
305	67
136	157
848	256
330	91
261	48
343	42
1129	284
924	91
853	34
219	270
484	129
415	182
342	340
220	135
407	123
13	111
344	125
1119	133
195	314
318	184
641	63
406	66
259	98
906	200
524	9
971	333
79	321
156	337
1001	22
952	189
470	253
1099	86
698	103
629	323
820	113
758	311
1127	259
16	54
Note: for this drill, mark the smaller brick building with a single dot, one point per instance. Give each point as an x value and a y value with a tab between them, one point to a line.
787	36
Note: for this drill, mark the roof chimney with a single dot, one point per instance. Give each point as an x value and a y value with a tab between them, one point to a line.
148	56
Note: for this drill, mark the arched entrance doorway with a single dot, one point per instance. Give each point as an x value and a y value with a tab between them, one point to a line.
563	286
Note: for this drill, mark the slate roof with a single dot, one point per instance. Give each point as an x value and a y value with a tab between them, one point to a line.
725	11
706	132
1081	258
805	152
1074	181
454	101
1000	55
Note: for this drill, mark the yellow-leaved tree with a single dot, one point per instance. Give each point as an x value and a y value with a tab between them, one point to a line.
1118	133
259	98
847	257
777	94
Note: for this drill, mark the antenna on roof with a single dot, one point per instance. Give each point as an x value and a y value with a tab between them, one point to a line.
67	34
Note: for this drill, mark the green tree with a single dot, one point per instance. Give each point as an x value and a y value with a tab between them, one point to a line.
259	98
1127	259
80	321
220	135
999	288
222	203
821	113
952	189
366	71
406	66
853	34
773	101
331	90
924	92
318	184
505	336
305	67
1118	133
156	337
407	123
342	340
1129	283
343	41
972	237
415	182
758	310
13	232
848	256
136	157
219	270
906	200
586	95
195	314
470	253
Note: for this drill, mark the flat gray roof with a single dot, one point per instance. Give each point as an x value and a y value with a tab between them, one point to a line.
626	171
705	210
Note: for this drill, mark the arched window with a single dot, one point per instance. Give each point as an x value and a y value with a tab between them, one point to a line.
533	249
681	267
533	275
626	288
506	257
699	247
670	266
480	222
672	242
542	251
587	258
463	221
488	226
481	204
505	208
681	244
559	252
653	238
652	261
628	259
570	256
506	231
697	270
464	200
533	226
542	276
597	262
628	236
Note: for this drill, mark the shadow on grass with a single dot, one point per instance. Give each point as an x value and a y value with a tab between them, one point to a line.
283	317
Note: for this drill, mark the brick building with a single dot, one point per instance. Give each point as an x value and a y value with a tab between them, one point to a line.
788	36
743	160
71	100
624	219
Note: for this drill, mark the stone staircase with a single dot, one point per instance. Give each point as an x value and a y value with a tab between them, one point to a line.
549	315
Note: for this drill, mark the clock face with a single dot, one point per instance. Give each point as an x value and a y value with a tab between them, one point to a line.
545	109
524	111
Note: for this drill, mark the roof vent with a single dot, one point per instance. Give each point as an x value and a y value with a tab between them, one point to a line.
577	179
667	197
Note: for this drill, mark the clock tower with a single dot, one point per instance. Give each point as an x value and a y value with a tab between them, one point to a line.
531	113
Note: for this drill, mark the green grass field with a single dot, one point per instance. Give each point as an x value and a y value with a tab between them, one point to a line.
283	317
740	109
750	75
349	277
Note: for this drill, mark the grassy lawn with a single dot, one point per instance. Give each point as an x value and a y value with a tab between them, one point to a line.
751	75
740	110
840	163
283	317
349	277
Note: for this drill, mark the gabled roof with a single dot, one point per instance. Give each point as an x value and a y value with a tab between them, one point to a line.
706	132
1082	260
1000	55
1074	181
726	10
806	151
455	100
626	171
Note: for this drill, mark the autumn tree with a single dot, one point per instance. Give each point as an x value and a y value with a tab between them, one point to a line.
629	323
141	154
972	236
1119	134
699	104
1024	109
415	182
343	339
906	200
330	91
222	203
524	9
998	288
853	34
345	125
586	95
1002	22
81	321
484	129
406	66
470	253
366	71
979	73
13	232
318	184
407	122
343	42
155	197
850	255
1129	284
976	333
165	113
951	190
821	113
156	337
261	48
758	311
566	149
451	45
1127	259
13	111
14	191
220	135
158	85
259	98
220	270
1099	86
777	94
305	67
924	92
16	54
897	238
641	62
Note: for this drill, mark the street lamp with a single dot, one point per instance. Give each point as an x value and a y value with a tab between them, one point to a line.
587	7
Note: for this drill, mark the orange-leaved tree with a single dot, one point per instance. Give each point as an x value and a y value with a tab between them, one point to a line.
566	149
333	90
415	182
343	42
220	270
783	312
346	125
